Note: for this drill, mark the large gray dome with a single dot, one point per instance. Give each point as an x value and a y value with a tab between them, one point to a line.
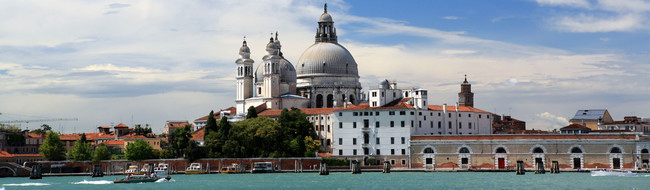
287	72
324	58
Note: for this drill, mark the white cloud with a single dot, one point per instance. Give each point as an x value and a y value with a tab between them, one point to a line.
450	18
602	16
571	3
585	23
548	121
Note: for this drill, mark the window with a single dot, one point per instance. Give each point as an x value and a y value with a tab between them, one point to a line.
328	128
377	113
392	151
354	152
403	124
403	162
377	140
340	141
419	123
470	125
458	115
329	142
391	113
431	125
403	140
355	114
412	113
392	123
501	150
354	141
365	113
392	162
538	150
366	123
402	112
383	94
392	140
450	125
340	152
374	94
340	113
449	115
428	150
439	114
378	152
412	123
469	115
354	124
463	150
439	124
340	125
460	125
425	118
377	124
488	116
403	151
479	116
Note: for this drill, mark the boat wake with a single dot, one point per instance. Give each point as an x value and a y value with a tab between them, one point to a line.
162	180
100	182
613	173
26	184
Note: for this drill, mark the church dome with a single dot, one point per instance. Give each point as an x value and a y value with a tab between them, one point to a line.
287	72
328	59
325	17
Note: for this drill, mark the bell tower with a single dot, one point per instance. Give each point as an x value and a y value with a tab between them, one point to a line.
244	77
466	96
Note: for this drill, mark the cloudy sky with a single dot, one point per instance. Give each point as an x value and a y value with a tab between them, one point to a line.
110	62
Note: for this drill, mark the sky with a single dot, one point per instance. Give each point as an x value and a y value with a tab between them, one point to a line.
107	62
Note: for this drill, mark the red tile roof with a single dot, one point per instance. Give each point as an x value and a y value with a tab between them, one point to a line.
198	135
114	142
121	125
524	137
133	136
34	135
70	137
5	154
177	124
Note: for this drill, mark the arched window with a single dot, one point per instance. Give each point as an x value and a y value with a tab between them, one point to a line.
343	99
330	101
351	100
463	150
428	150
615	150
644	151
538	150
576	150
501	150
319	101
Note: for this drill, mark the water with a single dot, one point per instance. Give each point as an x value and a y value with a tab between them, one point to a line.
375	180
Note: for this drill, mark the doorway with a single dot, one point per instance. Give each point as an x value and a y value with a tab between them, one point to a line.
616	162
501	163
576	163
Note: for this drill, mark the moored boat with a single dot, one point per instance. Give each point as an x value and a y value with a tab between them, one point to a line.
195	168
133	170
262	167
233	169
140	179
161	169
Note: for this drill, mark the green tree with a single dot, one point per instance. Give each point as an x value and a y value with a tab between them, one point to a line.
83	138
81	150
252	113
211	124
193	151
181	139
138	150
101	153
53	148
312	146
45	128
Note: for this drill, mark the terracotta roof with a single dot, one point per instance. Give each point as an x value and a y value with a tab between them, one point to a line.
177	124
453	108
573	126
34	135
114	142
5	154
198	135
27	155
121	125
70	137
133	136
325	154
93	136
524	137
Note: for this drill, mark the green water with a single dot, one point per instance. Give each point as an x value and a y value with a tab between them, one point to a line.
395	180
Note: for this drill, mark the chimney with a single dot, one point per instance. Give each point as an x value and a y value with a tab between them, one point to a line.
444	108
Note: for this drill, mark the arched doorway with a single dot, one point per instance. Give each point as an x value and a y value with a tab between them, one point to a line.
576	157
429	158
464	157
500	157
616	157
330	100
319	101
538	156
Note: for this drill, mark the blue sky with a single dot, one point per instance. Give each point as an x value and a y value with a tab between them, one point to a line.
109	62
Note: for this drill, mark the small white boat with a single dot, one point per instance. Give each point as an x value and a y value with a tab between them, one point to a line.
262	167
612	173
161	169
195	168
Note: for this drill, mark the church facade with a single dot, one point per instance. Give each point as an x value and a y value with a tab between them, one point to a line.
326	75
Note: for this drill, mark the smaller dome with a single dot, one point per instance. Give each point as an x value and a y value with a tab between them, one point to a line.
325	17
287	72
384	84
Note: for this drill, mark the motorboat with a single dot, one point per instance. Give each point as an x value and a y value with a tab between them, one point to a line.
145	169
140	179
233	169
195	168
161	169
262	167
612	173
133	170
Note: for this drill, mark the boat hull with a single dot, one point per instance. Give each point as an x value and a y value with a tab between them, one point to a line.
139	180
193	172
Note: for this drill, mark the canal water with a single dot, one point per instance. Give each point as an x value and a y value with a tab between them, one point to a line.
374	180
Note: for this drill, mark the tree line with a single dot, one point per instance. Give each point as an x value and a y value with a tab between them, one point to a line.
291	135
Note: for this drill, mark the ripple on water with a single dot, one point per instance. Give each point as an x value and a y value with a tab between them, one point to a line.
100	182
26	184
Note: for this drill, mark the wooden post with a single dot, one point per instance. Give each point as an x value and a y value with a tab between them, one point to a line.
520	168
386	167
540	168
